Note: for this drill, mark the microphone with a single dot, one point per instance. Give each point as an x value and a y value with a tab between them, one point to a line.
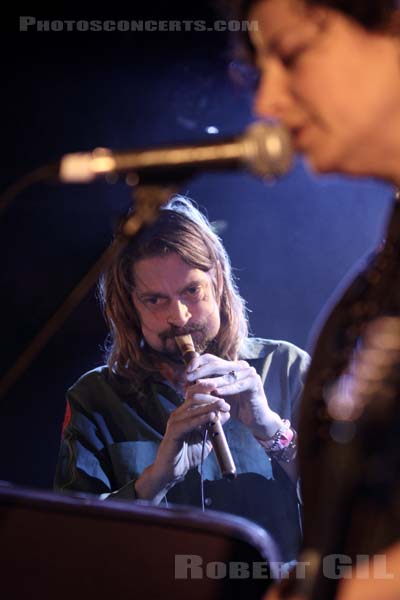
264	149
215	430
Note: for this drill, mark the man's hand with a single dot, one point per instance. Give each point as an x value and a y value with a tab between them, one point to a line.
241	383
181	447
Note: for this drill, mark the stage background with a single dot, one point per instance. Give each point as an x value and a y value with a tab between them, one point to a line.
291	242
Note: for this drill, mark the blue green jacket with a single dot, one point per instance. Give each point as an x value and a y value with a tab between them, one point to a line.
111	435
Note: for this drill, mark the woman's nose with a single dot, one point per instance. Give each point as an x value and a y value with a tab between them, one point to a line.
272	97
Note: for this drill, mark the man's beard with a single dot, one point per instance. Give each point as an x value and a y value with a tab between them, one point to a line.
199	335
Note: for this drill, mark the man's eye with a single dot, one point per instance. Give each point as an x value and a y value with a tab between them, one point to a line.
154	301
193	291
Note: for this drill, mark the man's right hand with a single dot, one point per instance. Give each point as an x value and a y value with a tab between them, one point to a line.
181	447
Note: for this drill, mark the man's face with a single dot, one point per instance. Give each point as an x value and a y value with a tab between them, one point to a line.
172	299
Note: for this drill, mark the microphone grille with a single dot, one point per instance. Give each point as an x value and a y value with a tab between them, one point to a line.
268	149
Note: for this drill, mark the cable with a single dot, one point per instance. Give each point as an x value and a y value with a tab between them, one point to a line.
205	435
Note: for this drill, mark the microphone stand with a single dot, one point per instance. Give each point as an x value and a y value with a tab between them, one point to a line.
149	198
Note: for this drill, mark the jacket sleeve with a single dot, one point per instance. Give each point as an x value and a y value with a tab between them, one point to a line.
83	464
283	373
298	365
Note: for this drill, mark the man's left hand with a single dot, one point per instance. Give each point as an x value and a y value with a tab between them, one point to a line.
242	384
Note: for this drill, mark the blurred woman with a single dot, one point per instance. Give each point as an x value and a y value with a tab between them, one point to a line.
330	71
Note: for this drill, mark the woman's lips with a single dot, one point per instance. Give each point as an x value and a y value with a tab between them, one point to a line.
298	134
302	136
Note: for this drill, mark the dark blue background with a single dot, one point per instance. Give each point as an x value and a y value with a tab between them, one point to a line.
291	242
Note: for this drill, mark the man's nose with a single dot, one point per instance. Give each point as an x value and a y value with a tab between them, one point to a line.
179	313
272	97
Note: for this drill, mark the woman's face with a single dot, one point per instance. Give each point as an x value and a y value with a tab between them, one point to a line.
332	83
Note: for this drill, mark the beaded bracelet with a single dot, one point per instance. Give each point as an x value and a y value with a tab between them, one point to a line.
289	453
283	444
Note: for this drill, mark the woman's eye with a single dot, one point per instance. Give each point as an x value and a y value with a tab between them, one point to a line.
290	58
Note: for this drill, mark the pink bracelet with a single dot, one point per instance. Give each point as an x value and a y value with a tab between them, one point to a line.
283	444
281	439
